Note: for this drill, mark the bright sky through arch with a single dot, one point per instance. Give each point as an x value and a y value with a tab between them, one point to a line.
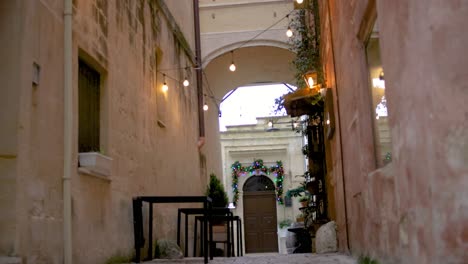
249	102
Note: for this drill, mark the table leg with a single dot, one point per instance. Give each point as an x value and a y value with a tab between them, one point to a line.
232	235
137	227
150	232
178	227
195	237
228	231
205	229
186	236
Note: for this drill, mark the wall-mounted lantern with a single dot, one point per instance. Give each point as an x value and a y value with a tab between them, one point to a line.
310	79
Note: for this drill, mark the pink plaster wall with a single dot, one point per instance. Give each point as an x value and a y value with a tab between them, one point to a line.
415	209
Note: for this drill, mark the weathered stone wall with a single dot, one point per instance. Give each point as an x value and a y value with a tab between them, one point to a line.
151	136
9	106
413	210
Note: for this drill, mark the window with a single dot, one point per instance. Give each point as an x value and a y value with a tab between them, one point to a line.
88	107
382	135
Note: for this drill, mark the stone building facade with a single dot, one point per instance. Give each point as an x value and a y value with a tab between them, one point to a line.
150	135
409	206
246	143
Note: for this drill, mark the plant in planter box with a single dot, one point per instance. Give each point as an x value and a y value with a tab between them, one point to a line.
304	201
285	223
300	218
216	192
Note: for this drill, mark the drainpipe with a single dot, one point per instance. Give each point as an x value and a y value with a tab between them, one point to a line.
67	137
198	72
339	130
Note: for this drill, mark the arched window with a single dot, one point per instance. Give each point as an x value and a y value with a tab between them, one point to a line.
258	183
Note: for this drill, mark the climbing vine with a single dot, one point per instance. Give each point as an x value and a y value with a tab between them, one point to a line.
257	165
305	43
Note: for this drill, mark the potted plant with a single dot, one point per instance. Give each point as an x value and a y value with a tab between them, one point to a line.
304	201
216	192
300	218
283	225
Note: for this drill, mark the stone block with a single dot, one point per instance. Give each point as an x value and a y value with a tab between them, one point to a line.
326	238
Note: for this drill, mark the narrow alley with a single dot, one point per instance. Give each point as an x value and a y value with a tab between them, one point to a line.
270	259
254	131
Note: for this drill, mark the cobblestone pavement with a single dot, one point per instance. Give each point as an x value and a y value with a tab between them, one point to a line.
271	259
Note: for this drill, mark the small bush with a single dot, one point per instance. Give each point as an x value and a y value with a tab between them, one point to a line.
215	191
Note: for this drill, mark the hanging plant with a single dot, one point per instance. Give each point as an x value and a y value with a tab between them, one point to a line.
305	43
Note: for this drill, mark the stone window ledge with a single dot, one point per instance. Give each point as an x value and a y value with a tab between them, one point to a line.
95	164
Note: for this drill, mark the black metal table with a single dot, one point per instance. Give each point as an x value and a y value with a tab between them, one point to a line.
230	219
216	211
303	238
138	220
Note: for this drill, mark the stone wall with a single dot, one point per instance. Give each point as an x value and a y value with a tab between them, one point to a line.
413	210
150	135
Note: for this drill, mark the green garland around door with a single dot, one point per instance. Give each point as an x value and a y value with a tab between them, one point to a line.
238	169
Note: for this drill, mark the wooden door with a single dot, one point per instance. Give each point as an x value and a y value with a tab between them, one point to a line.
260	222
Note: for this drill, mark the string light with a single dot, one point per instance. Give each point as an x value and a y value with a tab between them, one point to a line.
299	1
289	32
186	81
164	87
205	107
233	66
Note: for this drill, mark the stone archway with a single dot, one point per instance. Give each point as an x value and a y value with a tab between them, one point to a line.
259	202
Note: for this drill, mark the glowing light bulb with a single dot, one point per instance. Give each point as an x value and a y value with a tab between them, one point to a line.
289	33
270	124
232	67
165	87
299	1
205	107
186	83
310	81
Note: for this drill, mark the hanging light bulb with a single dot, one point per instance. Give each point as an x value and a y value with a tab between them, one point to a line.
233	66
164	87
299	1
289	32
186	81
205	107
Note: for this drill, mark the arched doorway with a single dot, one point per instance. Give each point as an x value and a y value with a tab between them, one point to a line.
260	215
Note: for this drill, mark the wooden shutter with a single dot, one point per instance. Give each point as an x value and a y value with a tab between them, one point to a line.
89	108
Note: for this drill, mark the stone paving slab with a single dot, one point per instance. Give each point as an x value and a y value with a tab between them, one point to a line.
270	259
